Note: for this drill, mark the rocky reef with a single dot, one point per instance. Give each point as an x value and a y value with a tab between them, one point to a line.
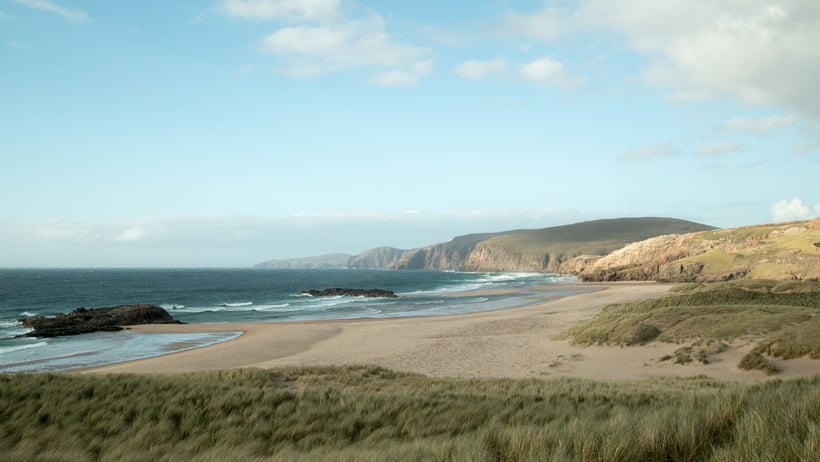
344	291
83	321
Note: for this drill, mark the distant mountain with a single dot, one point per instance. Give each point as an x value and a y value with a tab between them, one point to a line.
781	251
334	260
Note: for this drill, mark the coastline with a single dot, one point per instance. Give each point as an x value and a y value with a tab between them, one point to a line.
513	343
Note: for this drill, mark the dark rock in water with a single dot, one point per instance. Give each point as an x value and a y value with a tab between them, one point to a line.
83	321
336	291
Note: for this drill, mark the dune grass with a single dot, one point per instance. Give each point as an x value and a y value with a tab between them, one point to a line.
372	414
781	318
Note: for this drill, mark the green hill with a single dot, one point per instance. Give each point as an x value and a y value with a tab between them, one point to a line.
549	249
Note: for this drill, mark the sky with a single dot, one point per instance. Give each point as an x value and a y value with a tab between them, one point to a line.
223	133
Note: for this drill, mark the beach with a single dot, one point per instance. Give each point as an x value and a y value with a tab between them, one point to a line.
513	343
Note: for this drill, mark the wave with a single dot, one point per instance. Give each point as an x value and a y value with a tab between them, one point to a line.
275	307
29	346
7	324
28	314
237	305
171	306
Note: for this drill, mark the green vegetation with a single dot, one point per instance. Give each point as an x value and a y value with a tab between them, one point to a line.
781	318
372	414
598	237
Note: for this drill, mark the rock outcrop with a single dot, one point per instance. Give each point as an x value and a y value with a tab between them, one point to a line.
777	251
83	321
488	257
343	291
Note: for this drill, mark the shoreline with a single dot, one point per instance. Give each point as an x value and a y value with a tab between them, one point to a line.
511	343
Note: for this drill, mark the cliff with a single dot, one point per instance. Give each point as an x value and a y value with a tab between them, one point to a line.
569	248
380	257
777	251
446	256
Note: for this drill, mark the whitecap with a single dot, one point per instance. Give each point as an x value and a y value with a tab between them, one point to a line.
28	314
22	347
237	304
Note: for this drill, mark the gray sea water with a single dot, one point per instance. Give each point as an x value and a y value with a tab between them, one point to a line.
225	296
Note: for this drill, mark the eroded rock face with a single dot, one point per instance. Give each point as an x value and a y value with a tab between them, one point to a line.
83	321
337	291
492	258
777	251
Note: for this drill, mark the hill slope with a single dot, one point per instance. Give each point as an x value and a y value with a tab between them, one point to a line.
777	251
552	249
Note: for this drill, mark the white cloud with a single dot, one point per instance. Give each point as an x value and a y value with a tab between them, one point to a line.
760	125
475	70
395	79
793	210
755	51
294	10
544	25
131	234
649	152
311	51
548	71
75	16
719	149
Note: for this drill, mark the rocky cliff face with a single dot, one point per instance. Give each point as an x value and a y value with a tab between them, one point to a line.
446	256
487	257
380	257
779	251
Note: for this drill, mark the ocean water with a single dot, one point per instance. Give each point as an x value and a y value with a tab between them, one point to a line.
225	296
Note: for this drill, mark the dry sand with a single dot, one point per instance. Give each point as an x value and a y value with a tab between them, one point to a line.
507	343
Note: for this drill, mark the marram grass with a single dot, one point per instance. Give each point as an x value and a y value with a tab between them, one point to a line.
371	414
782	319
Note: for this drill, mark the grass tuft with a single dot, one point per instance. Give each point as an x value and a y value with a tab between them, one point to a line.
782	319
371	414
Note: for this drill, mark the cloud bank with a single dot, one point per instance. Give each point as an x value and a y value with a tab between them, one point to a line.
794	210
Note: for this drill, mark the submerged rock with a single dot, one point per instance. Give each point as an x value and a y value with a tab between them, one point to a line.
336	291
83	321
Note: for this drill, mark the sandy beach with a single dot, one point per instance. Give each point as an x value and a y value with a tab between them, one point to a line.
508	343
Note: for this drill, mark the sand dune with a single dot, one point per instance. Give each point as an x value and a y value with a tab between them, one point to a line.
508	343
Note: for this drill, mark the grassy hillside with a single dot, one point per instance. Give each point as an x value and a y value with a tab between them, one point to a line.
598	237
557	249
776	251
372	414
782	319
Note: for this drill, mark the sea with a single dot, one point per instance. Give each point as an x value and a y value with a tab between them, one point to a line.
229	296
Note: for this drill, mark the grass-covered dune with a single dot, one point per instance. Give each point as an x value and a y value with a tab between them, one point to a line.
780	318
373	414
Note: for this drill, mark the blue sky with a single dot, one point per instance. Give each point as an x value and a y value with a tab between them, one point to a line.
228	132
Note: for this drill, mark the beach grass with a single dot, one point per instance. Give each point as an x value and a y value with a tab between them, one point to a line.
368	413
781	319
